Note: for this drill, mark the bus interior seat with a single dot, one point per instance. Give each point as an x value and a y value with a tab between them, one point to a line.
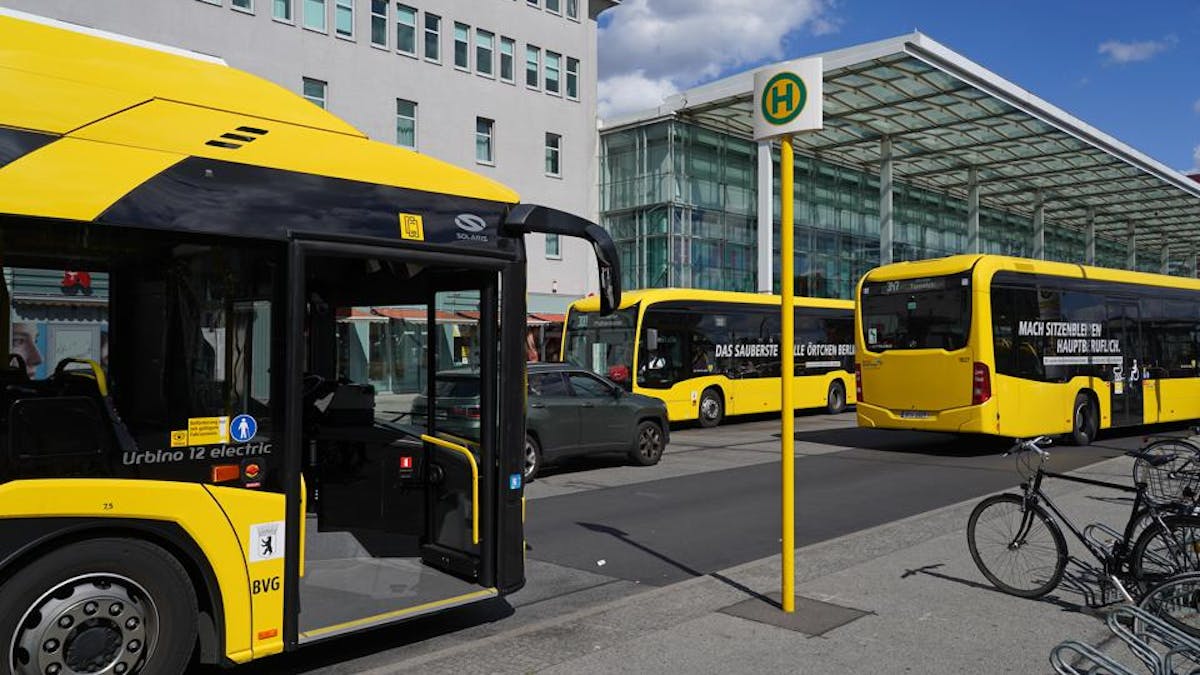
44	431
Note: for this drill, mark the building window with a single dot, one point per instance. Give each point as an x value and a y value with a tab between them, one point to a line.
531	66
379	21
553	247
314	91
572	78
433	37
532	3
553	148
314	15
406	30
508	48
554	6
244	5
573	9
552	61
282	10
406	124
343	18
462	47
485	43
484	153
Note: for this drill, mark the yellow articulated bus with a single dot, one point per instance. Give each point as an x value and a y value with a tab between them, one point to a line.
709	354
1007	346
213	478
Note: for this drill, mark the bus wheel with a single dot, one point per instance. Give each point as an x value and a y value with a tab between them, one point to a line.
1085	423
100	606
712	408
835	400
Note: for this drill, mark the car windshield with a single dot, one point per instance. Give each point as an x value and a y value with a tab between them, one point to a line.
924	313
603	344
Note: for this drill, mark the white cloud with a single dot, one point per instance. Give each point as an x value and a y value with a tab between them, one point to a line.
1196	159
1129	52
654	46
632	91
1196	106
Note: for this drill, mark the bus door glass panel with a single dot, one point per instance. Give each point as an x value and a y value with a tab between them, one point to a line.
379	497
662	361
603	344
1126	377
605	422
550	403
457	342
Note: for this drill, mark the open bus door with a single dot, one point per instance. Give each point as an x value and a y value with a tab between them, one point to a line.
399	436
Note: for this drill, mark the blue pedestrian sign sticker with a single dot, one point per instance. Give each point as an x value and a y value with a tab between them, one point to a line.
243	428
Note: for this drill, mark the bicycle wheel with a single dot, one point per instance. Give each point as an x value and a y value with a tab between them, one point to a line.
1176	601
1017	547
1176	481
1162	552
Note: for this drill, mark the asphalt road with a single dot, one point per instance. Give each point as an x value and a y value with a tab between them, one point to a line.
600	530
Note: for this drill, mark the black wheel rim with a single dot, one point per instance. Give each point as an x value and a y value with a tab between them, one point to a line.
710	407
650	442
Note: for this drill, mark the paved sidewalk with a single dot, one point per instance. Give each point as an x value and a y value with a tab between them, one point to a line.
926	609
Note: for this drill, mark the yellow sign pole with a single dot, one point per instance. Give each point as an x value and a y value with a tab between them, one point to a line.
787	196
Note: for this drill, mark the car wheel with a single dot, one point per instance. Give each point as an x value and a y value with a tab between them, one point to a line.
650	445
533	457
835	400
712	408
104	605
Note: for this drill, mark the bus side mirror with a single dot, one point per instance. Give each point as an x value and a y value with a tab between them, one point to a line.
524	218
652	339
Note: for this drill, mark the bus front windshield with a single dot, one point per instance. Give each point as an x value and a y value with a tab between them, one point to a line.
603	344
925	313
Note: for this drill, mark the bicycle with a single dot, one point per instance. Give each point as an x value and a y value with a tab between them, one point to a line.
1017	544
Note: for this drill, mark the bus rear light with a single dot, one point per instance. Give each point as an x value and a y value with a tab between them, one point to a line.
858	382
981	386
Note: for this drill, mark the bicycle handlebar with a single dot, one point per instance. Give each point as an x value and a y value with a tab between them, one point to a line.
1030	445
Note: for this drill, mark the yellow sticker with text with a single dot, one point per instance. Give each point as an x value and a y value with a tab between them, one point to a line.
412	226
179	439
208	430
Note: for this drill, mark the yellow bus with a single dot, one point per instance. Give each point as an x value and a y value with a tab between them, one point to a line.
1014	347
208	480
709	354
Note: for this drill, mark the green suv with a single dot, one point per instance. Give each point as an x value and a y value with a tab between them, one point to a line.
570	411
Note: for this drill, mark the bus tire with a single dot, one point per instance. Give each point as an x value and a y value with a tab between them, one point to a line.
712	408
835	398
112	603
1085	420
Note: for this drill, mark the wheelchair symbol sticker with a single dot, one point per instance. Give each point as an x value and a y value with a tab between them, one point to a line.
243	428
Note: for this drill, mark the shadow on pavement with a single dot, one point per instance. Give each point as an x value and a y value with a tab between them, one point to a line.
623	537
918	442
929	571
342	649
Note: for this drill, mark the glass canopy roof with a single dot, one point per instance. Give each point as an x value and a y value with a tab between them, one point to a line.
946	114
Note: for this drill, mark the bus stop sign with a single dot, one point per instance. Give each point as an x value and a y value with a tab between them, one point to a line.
787	98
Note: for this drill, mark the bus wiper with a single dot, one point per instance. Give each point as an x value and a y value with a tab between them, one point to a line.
526	218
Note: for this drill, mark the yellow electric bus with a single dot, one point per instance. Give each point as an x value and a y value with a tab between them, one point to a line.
709	354
212	483
1014	347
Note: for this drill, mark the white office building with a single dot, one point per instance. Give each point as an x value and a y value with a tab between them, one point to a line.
506	88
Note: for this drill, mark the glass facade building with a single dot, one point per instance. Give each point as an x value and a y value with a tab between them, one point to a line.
680	199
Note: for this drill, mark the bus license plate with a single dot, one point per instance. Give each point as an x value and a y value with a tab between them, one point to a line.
914	414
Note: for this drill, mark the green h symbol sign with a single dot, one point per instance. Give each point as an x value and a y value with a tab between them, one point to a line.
783	98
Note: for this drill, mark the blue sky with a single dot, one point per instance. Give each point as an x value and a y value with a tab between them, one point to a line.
1130	69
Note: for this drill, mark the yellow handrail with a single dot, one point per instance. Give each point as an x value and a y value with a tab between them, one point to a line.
474	479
